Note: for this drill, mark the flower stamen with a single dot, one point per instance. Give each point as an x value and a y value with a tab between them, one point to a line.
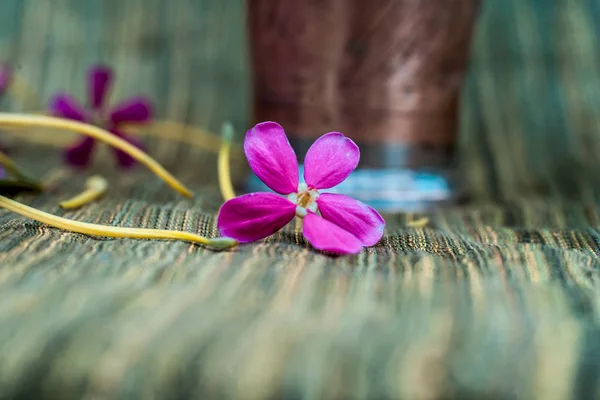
305	199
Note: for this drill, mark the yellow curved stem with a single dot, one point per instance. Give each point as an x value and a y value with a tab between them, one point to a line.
411	222
111	231
225	184
95	187
166	130
10	119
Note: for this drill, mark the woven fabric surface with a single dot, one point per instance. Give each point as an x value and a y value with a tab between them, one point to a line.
495	299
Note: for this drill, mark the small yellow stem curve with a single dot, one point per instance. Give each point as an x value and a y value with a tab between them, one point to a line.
111	231
416	223
10	119
95	187
225	184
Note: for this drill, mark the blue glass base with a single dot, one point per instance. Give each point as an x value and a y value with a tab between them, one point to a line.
386	190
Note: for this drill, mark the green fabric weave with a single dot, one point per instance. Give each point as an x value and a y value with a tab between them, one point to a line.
496	299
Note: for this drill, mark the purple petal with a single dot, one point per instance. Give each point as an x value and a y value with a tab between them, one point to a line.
5	77
271	157
254	216
123	159
99	80
80	154
137	110
353	216
326	236
330	160
66	106
2	173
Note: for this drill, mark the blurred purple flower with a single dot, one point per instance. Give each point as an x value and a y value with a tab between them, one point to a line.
135	110
6	73
5	78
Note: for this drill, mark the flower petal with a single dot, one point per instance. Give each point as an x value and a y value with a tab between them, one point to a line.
123	159
137	109
271	157
99	79
80	154
2	173
353	216
254	216
326	236
330	160
65	106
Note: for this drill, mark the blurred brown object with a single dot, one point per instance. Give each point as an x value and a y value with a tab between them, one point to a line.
386	73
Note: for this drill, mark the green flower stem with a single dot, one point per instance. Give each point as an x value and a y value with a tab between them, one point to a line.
224	171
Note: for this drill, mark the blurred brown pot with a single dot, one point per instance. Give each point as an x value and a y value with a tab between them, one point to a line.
386	73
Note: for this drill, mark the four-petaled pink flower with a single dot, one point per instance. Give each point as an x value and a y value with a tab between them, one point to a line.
134	110
332	222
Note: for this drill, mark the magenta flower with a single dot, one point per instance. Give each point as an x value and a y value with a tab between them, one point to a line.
135	110
332	222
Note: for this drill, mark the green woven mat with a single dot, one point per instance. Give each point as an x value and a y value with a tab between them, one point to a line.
497	299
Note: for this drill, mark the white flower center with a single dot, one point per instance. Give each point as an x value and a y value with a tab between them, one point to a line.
305	199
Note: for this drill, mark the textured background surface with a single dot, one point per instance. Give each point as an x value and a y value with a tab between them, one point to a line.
497	299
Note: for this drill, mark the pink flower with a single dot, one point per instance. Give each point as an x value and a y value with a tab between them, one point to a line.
135	110
332	222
